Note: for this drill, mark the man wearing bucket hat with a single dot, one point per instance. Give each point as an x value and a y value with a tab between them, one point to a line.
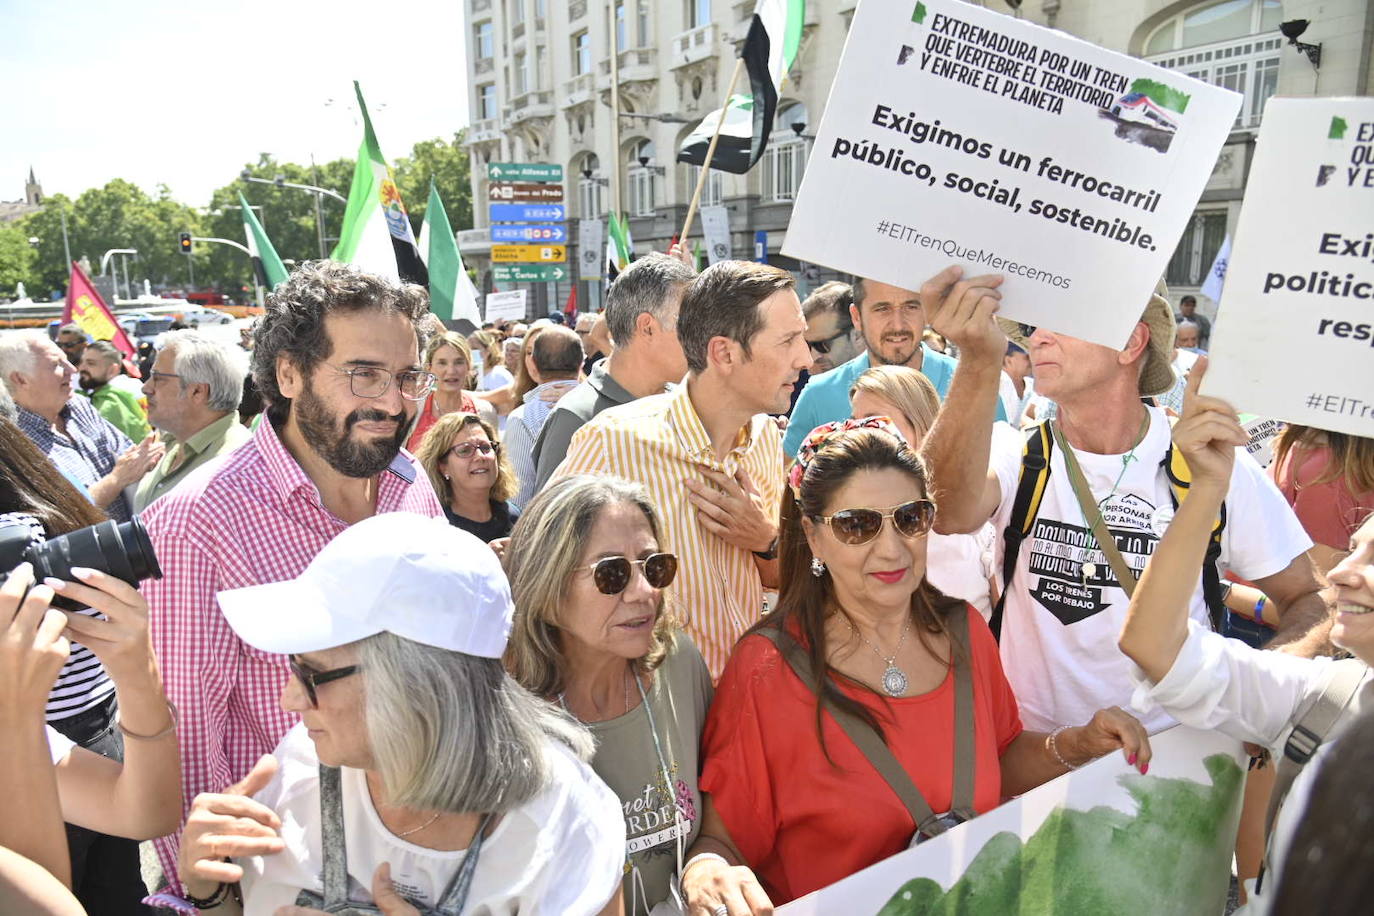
1104	464
420	769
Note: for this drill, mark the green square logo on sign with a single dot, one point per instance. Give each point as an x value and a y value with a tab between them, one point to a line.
524	171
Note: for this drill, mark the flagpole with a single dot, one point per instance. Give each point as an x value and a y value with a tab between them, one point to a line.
616	164
710	152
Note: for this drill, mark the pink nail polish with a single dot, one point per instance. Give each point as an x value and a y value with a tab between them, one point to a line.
1131	760
1144	769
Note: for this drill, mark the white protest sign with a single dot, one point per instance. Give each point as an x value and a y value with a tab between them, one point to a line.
509	304
591	249
1299	292
1101	839
715	226
956	135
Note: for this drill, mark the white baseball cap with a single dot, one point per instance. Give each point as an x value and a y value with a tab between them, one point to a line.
417	577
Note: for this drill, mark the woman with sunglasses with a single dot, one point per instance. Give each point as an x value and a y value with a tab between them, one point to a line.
592	634
890	654
472	479
421	775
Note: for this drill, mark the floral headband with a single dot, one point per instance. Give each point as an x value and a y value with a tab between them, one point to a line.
818	437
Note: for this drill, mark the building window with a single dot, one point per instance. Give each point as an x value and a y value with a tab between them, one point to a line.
522	74
712	195
486	101
582	52
784	160
541	8
589	188
1197	248
642	23
1233	43
621	26
641	177
541	62
483	40
517	11
698	13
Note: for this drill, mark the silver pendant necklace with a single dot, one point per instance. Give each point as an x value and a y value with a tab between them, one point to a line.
894	679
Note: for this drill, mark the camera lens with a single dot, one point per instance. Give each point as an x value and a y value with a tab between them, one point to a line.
120	549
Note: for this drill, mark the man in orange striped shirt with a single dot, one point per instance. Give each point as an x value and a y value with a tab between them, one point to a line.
707	451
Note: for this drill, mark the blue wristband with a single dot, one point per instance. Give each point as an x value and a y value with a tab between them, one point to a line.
1259	609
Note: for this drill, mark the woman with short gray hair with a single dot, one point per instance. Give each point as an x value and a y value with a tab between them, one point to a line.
592	632
420	769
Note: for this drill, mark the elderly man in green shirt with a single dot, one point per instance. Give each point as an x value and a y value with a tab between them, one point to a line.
193	396
99	369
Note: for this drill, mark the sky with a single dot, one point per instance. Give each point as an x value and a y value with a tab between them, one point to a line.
186	93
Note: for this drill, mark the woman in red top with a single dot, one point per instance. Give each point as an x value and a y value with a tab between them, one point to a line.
796	806
1328	479
450	359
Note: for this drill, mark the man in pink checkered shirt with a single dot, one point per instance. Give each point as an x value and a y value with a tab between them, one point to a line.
337	360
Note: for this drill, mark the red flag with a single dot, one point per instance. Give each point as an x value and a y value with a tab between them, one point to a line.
92	315
570	308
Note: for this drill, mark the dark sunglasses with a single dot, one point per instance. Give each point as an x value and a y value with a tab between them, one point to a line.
1026	329
465	449
311	679
823	346
859	526
611	575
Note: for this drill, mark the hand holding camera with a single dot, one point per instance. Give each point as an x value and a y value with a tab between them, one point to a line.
121	640
32	647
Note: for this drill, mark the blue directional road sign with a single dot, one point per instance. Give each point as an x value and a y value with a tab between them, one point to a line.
542	232
527	213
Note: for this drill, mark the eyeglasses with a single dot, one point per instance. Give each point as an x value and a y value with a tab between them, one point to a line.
465	449
311	679
823	346
1026	329
154	375
373	381
611	575
859	526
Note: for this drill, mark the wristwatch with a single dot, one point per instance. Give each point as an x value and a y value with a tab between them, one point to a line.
771	553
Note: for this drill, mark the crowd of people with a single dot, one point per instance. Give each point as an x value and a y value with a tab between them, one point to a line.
695	606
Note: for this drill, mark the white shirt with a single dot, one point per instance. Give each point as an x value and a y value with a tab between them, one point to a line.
497	377
59	745
960	565
1060	628
1012	403
561	852
1223	684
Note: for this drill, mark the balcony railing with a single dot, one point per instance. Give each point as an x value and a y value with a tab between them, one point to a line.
531	105
576	10
577	90
695	44
485	130
484	65
635	64
479	6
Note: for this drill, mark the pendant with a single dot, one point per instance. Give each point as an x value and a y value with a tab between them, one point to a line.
894	681
1089	570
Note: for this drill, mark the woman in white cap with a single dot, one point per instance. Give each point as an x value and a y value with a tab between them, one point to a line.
421	777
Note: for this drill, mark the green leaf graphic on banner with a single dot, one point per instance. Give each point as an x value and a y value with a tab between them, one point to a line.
918	15
1338	126
1090	861
1162	95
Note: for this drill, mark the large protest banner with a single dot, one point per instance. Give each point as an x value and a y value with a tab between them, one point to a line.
1101	839
1301	277
956	135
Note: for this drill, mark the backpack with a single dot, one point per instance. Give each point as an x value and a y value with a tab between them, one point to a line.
1030	492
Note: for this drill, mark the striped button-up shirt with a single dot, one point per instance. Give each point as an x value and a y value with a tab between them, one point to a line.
86	452
248	518
659	441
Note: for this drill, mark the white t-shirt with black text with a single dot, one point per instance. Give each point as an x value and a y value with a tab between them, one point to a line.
561	852
1060	626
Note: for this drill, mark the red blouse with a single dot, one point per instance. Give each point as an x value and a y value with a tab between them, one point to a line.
1329	511
803	824
428	418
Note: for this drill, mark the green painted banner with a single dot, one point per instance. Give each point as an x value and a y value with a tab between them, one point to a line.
528	273
524	171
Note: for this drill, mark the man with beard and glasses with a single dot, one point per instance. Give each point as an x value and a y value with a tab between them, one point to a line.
337	360
891	321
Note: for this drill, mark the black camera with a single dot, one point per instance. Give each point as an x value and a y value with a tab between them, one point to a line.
119	549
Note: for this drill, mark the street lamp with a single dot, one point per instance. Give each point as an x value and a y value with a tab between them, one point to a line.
281	182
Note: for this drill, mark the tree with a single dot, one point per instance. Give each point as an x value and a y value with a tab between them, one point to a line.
446	162
16	259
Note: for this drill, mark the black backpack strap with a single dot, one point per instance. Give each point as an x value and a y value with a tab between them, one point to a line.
1030	492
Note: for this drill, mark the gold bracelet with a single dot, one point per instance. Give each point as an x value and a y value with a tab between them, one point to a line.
171	729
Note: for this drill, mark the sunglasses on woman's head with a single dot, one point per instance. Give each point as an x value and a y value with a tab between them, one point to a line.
311	679
465	449
611	575
859	526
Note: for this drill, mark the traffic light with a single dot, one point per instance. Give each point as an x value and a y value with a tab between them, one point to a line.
185	240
